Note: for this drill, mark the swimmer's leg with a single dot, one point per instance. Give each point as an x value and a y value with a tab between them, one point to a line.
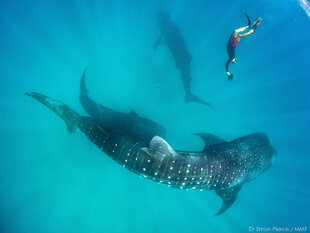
230	76
231	55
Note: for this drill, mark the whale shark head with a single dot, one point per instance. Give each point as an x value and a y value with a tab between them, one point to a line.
259	149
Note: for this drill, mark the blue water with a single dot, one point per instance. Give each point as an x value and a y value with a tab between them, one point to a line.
52	181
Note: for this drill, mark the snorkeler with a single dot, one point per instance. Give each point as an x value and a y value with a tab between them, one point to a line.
234	41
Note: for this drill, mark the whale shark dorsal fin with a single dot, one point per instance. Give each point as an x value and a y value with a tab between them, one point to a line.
133	112
159	148
209	139
228	196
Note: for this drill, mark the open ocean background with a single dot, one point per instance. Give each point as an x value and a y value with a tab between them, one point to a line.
51	181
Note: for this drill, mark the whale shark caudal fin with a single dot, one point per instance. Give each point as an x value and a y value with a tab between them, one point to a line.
83	90
159	148
192	98
209	139
61	109
228	196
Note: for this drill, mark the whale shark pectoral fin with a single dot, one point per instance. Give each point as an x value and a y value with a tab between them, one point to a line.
159	41
228	196
158	144
159	148
209	139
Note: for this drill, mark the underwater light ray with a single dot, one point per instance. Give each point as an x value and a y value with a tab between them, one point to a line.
305	4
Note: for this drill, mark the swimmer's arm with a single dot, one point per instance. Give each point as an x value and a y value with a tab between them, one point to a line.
241	29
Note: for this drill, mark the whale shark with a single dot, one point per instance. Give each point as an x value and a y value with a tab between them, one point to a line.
171	36
131	124
221	166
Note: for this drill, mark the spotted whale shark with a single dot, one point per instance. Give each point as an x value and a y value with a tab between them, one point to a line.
221	166
171	36
140	128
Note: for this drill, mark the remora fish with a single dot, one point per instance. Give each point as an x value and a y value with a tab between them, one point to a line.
222	166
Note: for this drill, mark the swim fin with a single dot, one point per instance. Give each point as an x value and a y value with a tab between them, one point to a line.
249	20
257	23
230	76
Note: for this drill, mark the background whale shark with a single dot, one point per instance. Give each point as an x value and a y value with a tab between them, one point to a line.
140	128
222	166
170	35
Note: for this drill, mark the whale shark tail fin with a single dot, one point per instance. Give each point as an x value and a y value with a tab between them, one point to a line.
83	90
90	106
193	98
228	196
65	112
